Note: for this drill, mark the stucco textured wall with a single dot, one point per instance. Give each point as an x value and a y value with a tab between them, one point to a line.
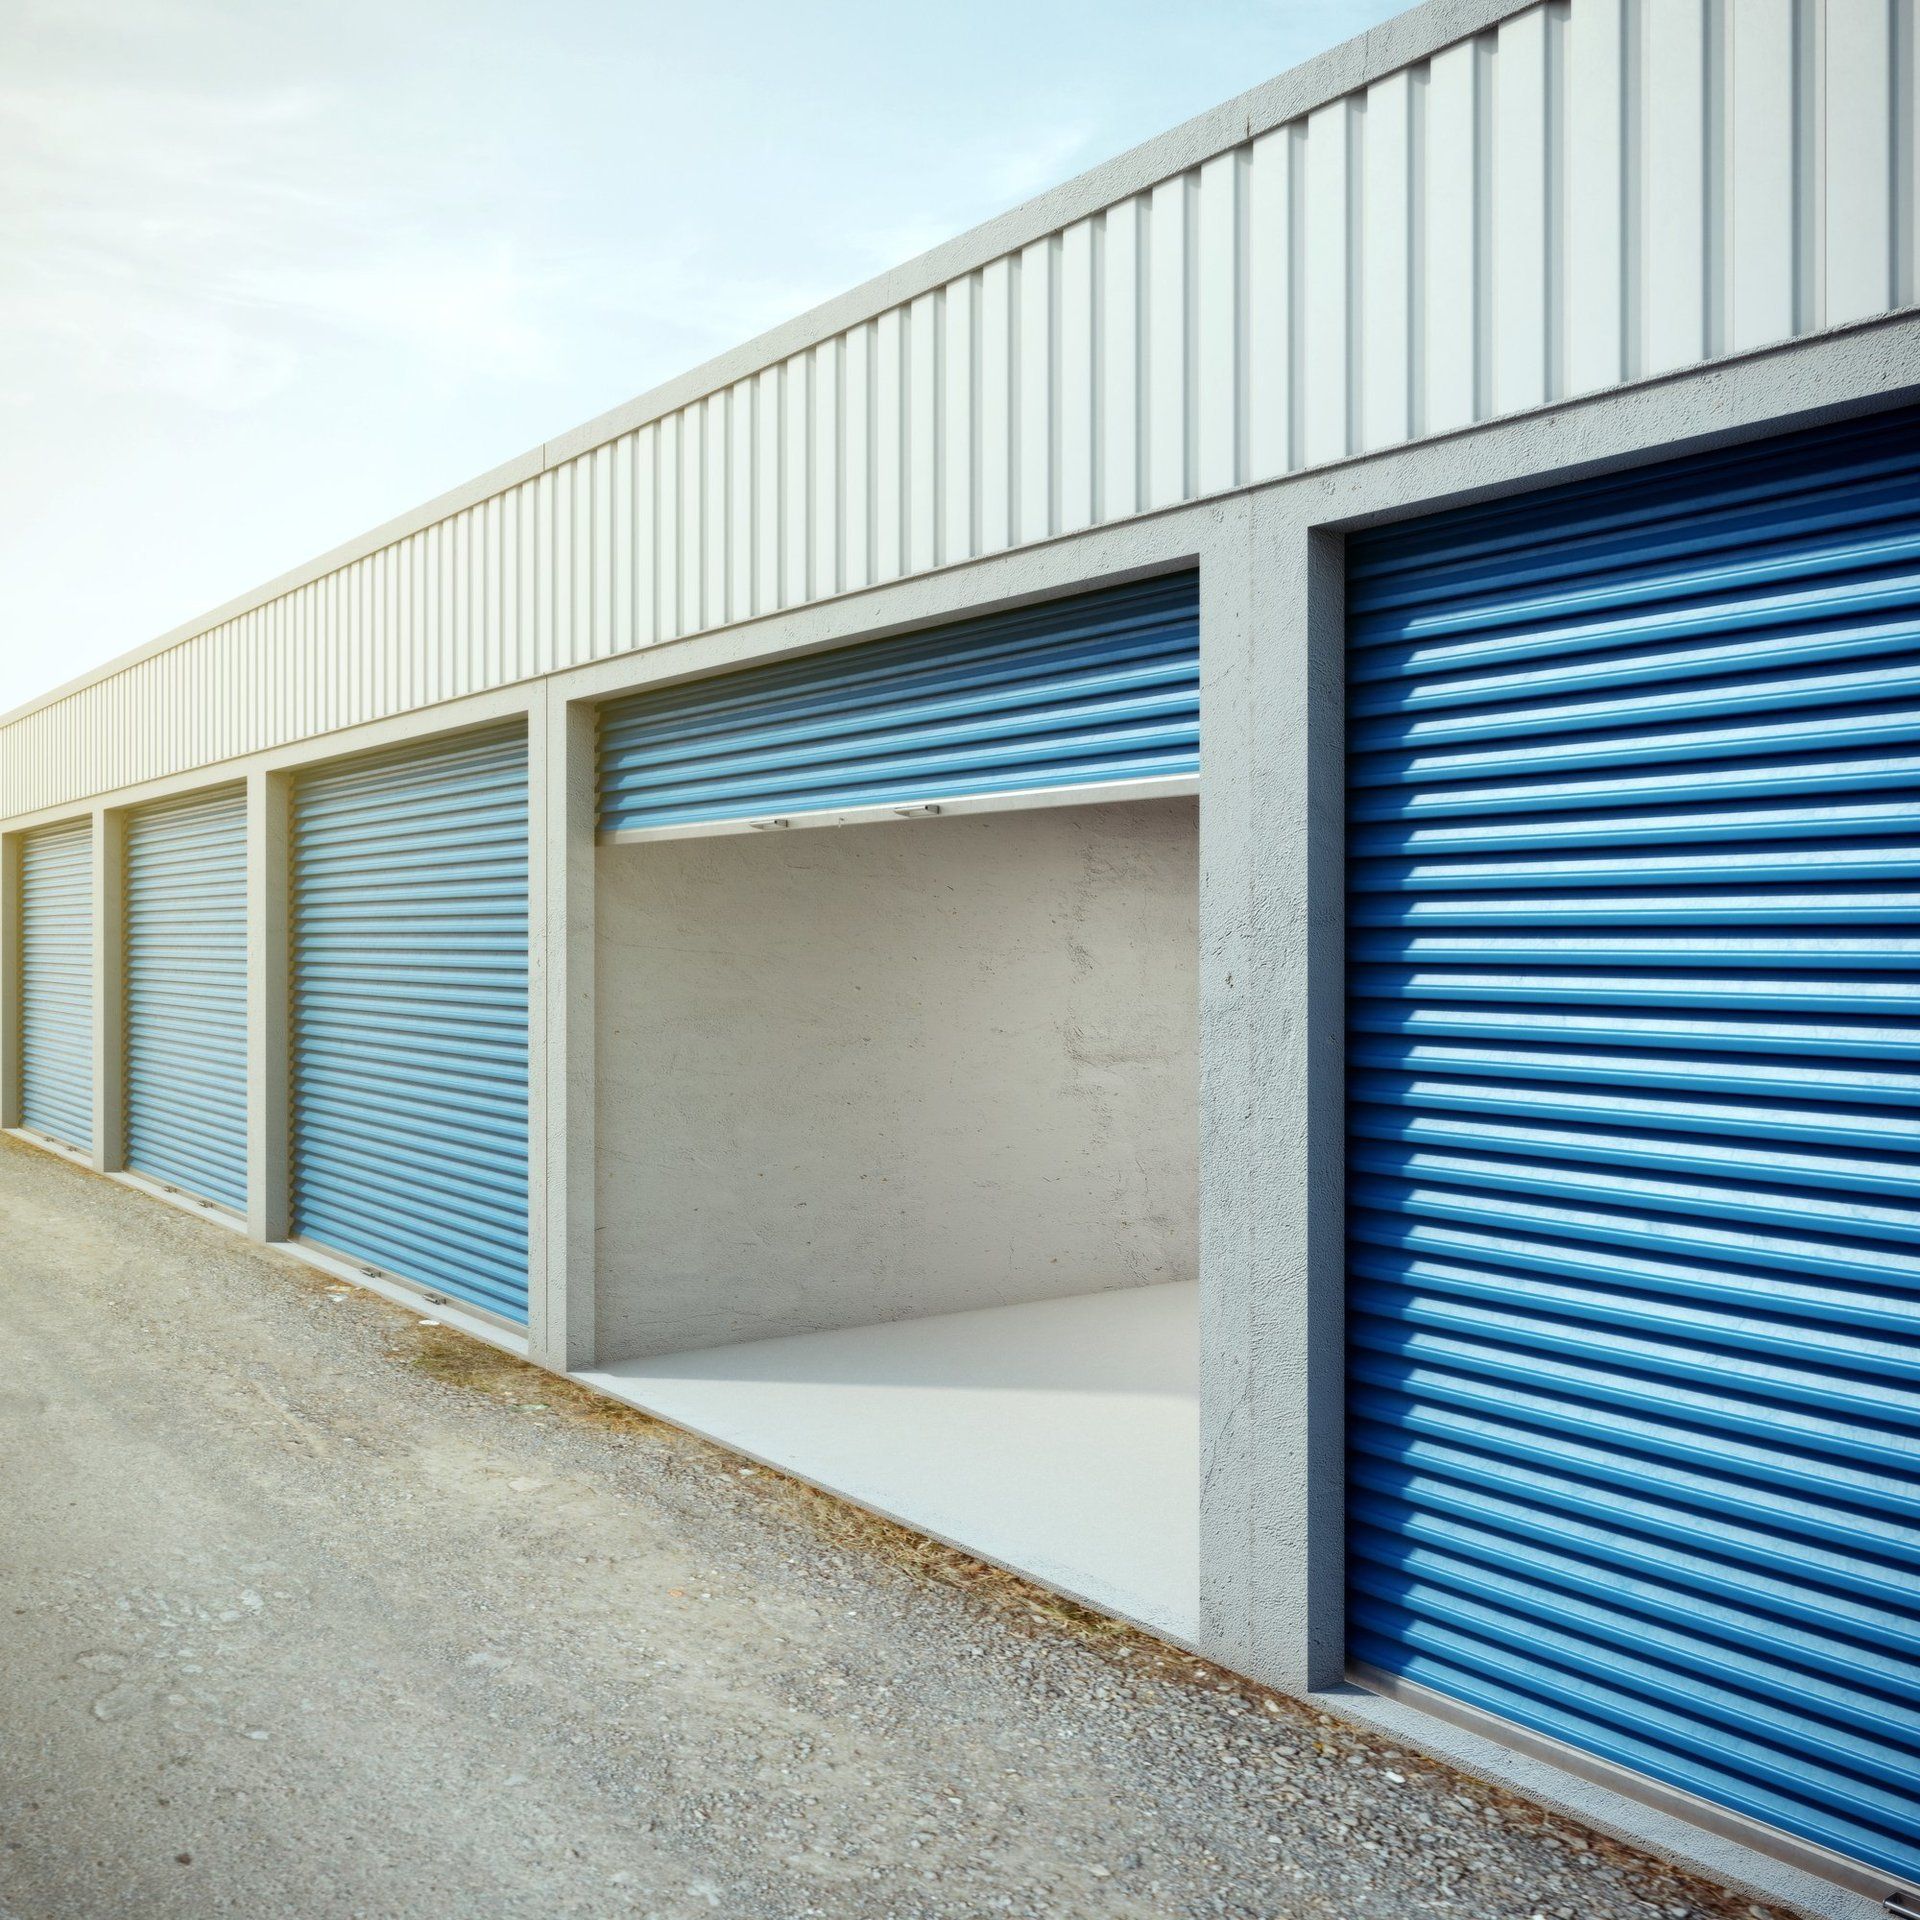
859	1073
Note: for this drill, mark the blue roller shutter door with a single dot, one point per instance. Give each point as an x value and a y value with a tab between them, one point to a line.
410	1015
186	995
1634	1189
56	983
1098	689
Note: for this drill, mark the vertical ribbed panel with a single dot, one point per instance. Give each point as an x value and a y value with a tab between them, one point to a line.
1634	1097
56	983
410	1014
186	995
1590	192
1093	690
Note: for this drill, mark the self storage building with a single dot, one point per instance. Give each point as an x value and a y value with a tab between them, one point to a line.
1216	893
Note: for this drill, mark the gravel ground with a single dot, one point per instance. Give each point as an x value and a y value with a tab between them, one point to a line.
315	1610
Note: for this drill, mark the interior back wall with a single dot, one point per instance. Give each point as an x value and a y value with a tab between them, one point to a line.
854	1074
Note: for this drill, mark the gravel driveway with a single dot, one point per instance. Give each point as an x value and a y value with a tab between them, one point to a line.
314	1610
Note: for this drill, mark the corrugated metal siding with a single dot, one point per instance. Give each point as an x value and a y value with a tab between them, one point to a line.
1593	191
410	1015
186	995
1098	688
56	983
1634	1168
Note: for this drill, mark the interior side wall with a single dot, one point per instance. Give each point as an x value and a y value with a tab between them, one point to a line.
862	1073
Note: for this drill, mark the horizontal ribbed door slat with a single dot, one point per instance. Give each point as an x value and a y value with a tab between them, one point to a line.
1633	1149
56	983
1095	690
186	995
410	1015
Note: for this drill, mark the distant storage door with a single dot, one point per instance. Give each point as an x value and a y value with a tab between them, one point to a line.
56	983
1096	690
410	1015
1634	1082
186	995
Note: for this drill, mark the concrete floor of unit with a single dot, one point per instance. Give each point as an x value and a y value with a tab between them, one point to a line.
1060	1438
311	1607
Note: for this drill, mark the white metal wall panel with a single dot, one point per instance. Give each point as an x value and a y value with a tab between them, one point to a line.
186	995
1592	191
56	983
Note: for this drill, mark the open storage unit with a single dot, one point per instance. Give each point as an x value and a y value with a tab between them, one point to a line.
897	1121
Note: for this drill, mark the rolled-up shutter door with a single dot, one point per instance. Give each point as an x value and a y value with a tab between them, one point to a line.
1094	691
410	1015
56	983
1634	1086
186	995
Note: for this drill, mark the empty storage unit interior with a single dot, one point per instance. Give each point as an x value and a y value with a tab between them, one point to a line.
897	1044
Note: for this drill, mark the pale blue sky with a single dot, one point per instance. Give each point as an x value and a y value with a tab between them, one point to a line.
271	274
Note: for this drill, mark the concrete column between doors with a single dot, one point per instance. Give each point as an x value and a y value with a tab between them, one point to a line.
269	1038
109	879
563	802
1272	956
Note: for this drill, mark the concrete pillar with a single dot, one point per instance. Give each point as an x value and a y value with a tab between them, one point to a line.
109	989
269	1042
561	748
9	980
1272	936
